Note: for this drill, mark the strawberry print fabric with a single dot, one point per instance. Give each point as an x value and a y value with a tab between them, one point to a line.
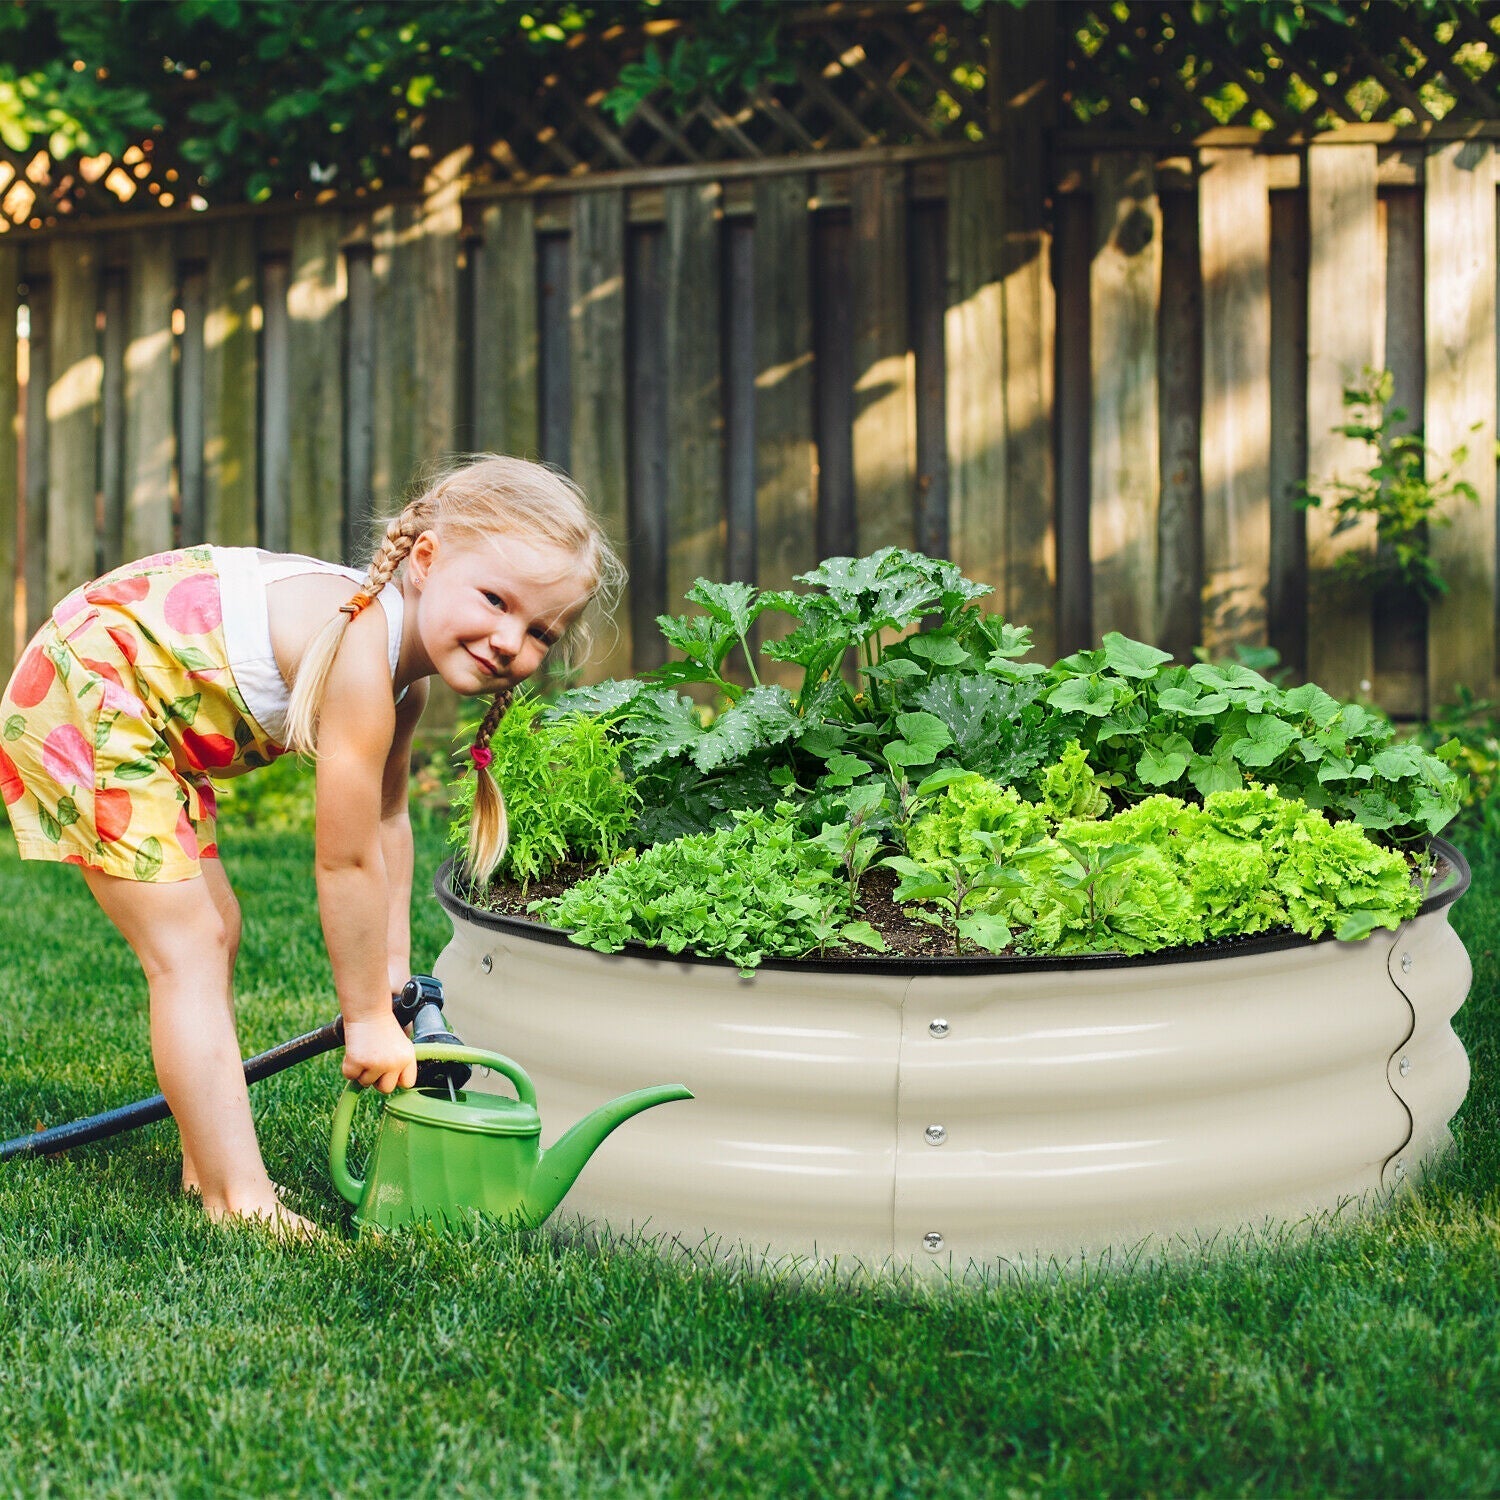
118	711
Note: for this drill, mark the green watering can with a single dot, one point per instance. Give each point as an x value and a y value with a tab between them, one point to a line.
445	1154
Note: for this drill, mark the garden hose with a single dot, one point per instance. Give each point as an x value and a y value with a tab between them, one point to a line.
422	995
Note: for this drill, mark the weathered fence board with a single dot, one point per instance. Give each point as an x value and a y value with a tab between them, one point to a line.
359	406
1180	385
596	353
10	439
1125	480
1460	406
275	407
884	377
398	396
1023	103
505	330
1400	613
785	451
1345	292
694	421
73	401
150	419
974	353
39	367
1286	591
113	340
230	381
1235	236
193	293
314	303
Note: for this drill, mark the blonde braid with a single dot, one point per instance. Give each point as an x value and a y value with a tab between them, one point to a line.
489	832
310	684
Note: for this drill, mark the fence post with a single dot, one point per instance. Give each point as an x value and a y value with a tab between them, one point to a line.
1460	216
1235	231
1345	292
1023	53
10	456
73	399
1125	475
596	351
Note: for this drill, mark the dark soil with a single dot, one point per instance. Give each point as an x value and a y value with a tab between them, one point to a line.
906	936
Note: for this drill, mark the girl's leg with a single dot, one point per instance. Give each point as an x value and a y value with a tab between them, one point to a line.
185	945
229	911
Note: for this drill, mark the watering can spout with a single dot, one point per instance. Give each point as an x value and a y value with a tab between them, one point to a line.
559	1167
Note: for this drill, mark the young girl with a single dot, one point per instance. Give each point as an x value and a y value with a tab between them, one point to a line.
212	660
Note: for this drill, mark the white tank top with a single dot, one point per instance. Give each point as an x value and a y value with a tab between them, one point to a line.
244	573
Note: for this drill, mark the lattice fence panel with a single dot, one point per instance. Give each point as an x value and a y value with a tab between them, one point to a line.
1159	68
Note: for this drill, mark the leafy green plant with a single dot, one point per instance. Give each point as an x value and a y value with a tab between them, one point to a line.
754	890
958	893
937	685
1398	489
565	793
947	696
1149	726
1163	873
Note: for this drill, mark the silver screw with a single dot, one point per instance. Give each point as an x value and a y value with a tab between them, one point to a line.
486	964
936	1134
1405	1065
1406	963
938	1027
1400	1170
932	1241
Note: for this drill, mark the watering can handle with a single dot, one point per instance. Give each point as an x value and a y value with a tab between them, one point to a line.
352	1187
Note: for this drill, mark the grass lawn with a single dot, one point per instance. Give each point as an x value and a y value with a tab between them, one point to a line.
145	1352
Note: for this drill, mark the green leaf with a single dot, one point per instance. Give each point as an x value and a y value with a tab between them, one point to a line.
865	935
1216	772
1082	695
67	811
15	727
1195	705
1132	658
50	826
985	930
923	736
185	708
1159	767
1266	739
844	770
941	650
763	717
734	604
148	860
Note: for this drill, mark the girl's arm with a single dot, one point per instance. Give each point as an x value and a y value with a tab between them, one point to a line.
395	836
356	732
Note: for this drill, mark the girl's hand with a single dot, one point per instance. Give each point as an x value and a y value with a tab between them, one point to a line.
378	1052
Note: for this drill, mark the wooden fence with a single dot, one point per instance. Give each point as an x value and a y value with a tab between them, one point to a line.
1101	410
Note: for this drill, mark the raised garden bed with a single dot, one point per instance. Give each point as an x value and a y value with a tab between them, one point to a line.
1010	1107
963	956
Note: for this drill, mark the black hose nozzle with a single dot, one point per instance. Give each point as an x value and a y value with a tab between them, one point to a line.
428	1025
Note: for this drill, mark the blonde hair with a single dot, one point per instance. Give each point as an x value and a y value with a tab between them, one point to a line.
476	499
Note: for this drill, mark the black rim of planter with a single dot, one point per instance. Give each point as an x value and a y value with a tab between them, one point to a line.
1456	883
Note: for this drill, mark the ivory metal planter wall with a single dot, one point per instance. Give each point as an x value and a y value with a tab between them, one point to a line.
948	1111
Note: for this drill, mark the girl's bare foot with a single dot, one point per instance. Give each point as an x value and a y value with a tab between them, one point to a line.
275	1216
